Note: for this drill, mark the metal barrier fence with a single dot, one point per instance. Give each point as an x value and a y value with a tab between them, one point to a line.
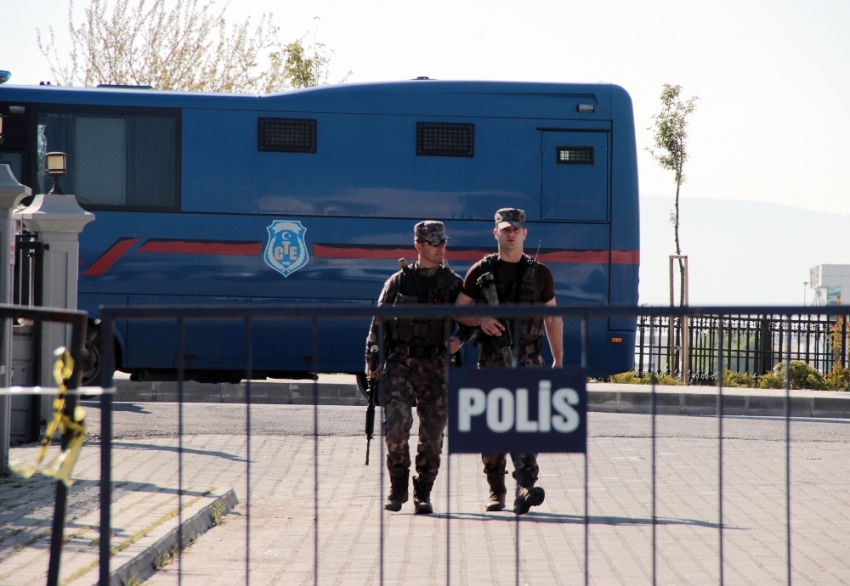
753	343
251	316
77	320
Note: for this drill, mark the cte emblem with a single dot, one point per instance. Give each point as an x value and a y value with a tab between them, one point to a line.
518	410
286	251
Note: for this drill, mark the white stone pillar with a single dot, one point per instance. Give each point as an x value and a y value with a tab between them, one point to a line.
11	194
58	220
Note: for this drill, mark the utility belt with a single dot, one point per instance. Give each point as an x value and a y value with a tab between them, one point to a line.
493	345
421	351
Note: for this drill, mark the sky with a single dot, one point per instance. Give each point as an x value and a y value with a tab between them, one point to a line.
771	124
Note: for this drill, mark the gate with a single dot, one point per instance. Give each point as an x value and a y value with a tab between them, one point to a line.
702	503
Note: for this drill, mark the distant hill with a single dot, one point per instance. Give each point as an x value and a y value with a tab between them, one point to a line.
740	252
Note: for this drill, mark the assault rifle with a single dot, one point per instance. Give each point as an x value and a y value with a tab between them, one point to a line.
487	284
373	396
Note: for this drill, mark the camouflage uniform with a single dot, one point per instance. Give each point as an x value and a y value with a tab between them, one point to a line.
530	332
415	373
526	469
420	382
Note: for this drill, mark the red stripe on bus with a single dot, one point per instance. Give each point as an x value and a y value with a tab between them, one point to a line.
110	257
195	247
575	256
559	256
625	257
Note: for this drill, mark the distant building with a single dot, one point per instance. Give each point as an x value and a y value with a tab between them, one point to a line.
831	284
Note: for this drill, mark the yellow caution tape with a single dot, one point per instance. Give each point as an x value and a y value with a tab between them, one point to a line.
61	466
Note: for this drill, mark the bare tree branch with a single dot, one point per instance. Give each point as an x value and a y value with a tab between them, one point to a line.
181	45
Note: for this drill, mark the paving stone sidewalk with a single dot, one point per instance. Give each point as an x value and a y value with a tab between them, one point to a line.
460	542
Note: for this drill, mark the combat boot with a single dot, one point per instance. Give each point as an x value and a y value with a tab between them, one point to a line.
527	498
398	490
527	495
496	502
422	496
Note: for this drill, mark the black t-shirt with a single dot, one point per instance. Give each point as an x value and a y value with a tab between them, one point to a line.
425	281
510	270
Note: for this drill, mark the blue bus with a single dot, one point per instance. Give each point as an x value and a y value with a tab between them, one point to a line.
310	196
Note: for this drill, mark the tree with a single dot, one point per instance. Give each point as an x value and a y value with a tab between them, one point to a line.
305	69
671	133
181	45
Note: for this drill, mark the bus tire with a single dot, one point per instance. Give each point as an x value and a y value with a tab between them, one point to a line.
92	360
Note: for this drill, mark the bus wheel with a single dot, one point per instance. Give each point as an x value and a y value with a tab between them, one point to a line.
92	360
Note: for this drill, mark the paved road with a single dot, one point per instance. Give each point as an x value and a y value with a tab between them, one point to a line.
481	548
140	420
291	522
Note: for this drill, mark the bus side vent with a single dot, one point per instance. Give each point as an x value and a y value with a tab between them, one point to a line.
574	155
445	139
286	135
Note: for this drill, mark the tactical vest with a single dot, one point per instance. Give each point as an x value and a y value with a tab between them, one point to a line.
522	291
421	332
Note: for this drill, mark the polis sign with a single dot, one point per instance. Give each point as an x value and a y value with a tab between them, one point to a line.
499	410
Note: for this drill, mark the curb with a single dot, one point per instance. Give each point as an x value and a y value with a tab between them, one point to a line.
706	404
262	392
602	397
142	565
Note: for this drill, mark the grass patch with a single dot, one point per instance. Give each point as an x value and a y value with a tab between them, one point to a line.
133	580
163	559
78	533
28	542
217	514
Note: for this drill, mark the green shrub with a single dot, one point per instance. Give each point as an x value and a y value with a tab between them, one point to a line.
631	378
838	379
738	379
771	381
802	376
627	378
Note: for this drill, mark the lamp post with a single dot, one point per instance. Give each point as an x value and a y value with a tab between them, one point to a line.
57	168
11	194
805	283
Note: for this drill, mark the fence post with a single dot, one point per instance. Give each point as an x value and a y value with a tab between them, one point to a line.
11	194
58	220
765	351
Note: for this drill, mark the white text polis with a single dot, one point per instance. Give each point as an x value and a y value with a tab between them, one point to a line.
505	410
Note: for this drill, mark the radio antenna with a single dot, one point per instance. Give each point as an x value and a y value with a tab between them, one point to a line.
536	254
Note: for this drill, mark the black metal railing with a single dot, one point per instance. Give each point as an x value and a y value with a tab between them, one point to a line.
713	327
752	344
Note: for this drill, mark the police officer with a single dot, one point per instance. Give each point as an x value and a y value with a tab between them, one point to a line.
415	367
516	278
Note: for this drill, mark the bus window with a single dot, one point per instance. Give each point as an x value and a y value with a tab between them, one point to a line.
114	162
